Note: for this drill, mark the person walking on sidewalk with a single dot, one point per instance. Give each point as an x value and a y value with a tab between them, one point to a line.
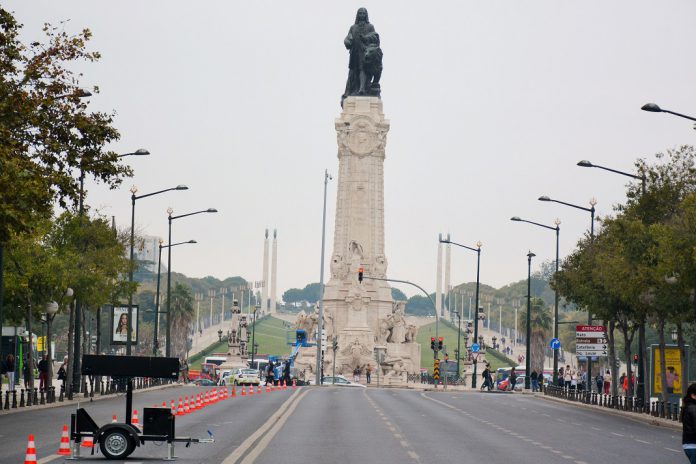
43	373
368	373
534	378
688	419
10	369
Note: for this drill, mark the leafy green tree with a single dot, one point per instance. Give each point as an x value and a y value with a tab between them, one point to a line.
398	295
183	315
541	323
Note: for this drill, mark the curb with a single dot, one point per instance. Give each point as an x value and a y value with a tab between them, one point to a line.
644	418
18	410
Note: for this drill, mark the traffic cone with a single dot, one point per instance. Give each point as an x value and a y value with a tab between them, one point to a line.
222	393
180	410
187	410
268	388
243	390
199	402
285	385
251	389
259	390
206	399
234	391
194	403
164	404
30	457
134	421
294	385
64	448
87	442
173	408
113	419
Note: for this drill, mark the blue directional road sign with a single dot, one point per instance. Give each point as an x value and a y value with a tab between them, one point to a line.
555	344
475	348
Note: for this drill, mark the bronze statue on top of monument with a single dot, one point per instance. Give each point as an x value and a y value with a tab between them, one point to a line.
365	64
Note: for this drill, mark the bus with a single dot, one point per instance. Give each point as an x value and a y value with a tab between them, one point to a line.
215	358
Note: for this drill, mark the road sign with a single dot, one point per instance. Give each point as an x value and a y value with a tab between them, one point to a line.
436	369
475	348
591	340
555	344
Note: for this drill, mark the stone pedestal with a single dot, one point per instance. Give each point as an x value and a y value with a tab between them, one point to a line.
362	315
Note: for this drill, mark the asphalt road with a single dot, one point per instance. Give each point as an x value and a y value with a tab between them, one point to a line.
345	425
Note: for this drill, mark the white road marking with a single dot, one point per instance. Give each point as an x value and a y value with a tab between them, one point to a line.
642	441
413	455
670	449
617	434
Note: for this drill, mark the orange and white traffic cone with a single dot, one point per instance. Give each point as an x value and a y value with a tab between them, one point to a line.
268	388
234	391
285	385
199	402
164	404
187	410
180	411
173	408
194	403
251	389
30	457
64	448
259	390
114	419
243	390
88	442
206	399
134	421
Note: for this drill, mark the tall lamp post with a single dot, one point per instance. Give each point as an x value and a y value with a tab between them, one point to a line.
640	384
170	211
528	361
590	210
134	197
320	325
155	344
253	333
557	222
478	284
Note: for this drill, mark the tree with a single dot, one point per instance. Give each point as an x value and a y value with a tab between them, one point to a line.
182	315
398	295
541	321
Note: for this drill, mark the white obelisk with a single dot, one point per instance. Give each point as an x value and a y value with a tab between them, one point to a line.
264	282
274	273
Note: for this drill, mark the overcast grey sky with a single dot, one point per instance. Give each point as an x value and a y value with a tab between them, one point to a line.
491	105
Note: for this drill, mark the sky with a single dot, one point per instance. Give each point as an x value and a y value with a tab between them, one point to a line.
491	105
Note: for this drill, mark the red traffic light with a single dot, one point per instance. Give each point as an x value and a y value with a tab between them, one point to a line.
439	339
635	358
360	275
432	339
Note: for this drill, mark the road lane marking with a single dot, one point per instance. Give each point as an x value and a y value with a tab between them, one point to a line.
642	441
50	458
413	455
670	449
617	434
261	432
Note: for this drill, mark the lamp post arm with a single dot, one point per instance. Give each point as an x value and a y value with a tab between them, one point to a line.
679	114
459	245
616	171
437	318
190	214
537	224
138	197
572	205
180	243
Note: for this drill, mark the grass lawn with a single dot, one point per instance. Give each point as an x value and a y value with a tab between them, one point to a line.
449	335
269	335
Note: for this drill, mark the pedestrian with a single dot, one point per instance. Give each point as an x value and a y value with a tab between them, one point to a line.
286	372
269	373
534	378
567	378
561	377
688	419
43	373
368	372
513	379
573	380
27	372
63	372
599	380
607	382
10	369
356	374
624	384
540	382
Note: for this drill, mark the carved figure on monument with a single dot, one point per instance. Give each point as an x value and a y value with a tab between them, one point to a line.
365	63
411	333
398	322
355	251
384	331
380	267
339	268
358	356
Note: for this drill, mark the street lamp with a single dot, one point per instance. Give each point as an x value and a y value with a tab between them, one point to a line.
478	284
253	333
653	108
528	363
220	335
320	326
170	211
155	345
640	385
591	210
674	334
494	339
134	197
138	152
557	222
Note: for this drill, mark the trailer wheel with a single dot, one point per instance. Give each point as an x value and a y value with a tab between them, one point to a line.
116	444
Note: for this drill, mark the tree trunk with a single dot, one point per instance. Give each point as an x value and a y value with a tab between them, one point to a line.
612	359
30	350
643	360
682	357
663	367
628	339
49	352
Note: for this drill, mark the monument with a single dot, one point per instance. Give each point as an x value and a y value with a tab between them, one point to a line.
361	317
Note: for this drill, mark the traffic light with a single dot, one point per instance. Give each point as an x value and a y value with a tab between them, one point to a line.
432	343
635	359
360	274
439	343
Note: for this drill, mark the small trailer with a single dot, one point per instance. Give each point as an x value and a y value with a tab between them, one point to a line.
118	440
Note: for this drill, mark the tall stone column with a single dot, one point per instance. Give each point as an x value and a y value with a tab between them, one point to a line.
448	268
274	271
438	277
264	288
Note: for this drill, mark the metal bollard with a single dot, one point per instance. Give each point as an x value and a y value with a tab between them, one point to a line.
61	398
21	399
14	399
36	396
29	401
7	400
43	398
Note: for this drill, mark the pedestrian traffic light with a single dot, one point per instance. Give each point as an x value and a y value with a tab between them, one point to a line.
432	343
439	343
360	274
635	359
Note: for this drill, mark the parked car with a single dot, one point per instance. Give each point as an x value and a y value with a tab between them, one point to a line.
243	376
201	382
338	381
